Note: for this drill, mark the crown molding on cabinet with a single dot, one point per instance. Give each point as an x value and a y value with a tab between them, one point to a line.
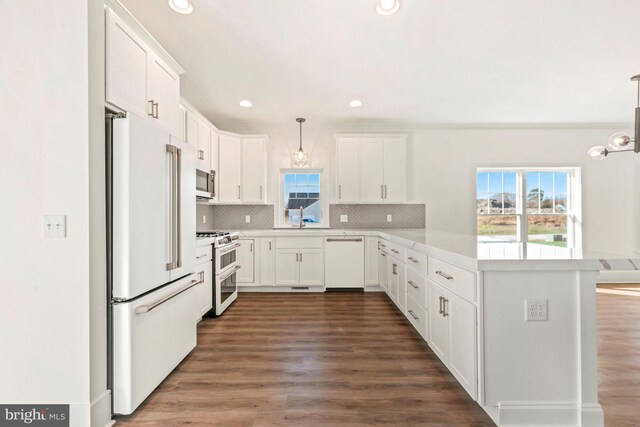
145	35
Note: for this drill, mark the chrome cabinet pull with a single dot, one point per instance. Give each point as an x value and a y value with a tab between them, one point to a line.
340	192
151	113
157	116
395	269
413	315
385	191
394	251
269	245
383	245
444	307
200	154
382	191
445	275
261	192
300	256
251	247
238	192
201	256
147	308
297	257
413	284
412	259
384	255
440	311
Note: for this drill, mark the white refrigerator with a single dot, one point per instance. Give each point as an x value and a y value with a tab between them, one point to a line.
151	184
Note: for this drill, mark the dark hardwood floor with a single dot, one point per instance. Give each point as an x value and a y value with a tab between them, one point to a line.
619	354
333	359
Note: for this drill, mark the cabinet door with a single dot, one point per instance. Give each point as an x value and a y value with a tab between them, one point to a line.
164	90
371	261
371	169
347	170
287	267
126	68
395	171
254	170
204	272
438	323
462	315
191	130
204	147
267	261
401	300
246	261
394	278
214	153
383	271
311	267
229	165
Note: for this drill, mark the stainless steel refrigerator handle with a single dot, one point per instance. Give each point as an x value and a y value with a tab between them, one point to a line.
147	308
179	208
344	240
172	150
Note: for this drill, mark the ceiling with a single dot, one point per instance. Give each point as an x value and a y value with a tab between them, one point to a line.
435	62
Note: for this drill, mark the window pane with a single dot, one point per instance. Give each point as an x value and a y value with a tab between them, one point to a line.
548	229
533	181
546	184
510	182
497	228
301	179
301	190
510	201
561	179
482	179
561	203
495	182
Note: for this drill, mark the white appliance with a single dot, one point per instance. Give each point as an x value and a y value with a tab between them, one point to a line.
205	185
151	221
344	262
225	267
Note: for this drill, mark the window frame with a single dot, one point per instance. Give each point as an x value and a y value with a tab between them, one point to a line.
324	203
574	203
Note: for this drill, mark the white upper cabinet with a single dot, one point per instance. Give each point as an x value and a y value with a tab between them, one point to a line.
191	130
371	169
254	170
137	79
229	157
204	147
347	170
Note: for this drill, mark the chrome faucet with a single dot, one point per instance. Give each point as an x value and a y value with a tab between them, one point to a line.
301	223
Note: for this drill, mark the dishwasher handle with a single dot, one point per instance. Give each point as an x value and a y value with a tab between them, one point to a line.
330	240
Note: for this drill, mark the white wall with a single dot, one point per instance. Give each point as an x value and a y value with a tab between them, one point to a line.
44	169
442	164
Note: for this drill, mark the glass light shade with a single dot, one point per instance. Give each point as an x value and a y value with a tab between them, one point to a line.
619	140
598	152
181	6
387	4
388	7
300	159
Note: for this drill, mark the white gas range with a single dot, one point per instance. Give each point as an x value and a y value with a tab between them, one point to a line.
225	268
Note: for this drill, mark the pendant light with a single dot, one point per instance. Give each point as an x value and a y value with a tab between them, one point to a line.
620	142
300	159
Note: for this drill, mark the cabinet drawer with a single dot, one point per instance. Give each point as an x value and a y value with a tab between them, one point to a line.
204	254
416	260
458	280
395	251
417	315
417	287
299	242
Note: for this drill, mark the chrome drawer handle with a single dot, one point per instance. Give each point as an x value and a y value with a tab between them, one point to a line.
413	315
201	256
445	275
444	307
412	259
413	284
440	310
394	251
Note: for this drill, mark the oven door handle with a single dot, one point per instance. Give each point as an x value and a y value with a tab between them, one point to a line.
231	273
230	249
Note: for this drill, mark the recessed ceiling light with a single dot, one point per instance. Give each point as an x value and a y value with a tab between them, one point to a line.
355	103
388	7
245	103
181	6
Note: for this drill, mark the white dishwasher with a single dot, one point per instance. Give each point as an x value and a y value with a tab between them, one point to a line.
344	262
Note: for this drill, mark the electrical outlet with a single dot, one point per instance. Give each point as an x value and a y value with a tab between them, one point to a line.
535	310
389	218
247	218
55	226
344	218
204	219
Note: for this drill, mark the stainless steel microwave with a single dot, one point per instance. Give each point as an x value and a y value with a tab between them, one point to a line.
205	184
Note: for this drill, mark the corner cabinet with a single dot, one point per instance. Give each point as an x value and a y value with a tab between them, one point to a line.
137	79
371	169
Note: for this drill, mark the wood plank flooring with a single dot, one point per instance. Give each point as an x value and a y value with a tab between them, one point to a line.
619	354
333	359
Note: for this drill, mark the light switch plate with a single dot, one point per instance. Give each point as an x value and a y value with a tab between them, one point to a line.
247	218
535	310
55	226
204	219
344	218
389	218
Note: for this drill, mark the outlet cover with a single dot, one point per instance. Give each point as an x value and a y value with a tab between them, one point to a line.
535	310
204	219
55	226
247	218
389	218
344	218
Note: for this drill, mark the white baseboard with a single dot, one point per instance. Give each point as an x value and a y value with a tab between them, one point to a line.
290	289
511	414
101	411
373	288
618	276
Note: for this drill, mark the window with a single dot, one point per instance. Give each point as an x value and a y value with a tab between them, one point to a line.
539	207
301	189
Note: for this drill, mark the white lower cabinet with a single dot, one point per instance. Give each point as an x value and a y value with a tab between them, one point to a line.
383	270
267	261
245	256
299	261
371	262
204	273
453	336
397	284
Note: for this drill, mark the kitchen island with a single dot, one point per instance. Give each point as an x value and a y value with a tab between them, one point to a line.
518	334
